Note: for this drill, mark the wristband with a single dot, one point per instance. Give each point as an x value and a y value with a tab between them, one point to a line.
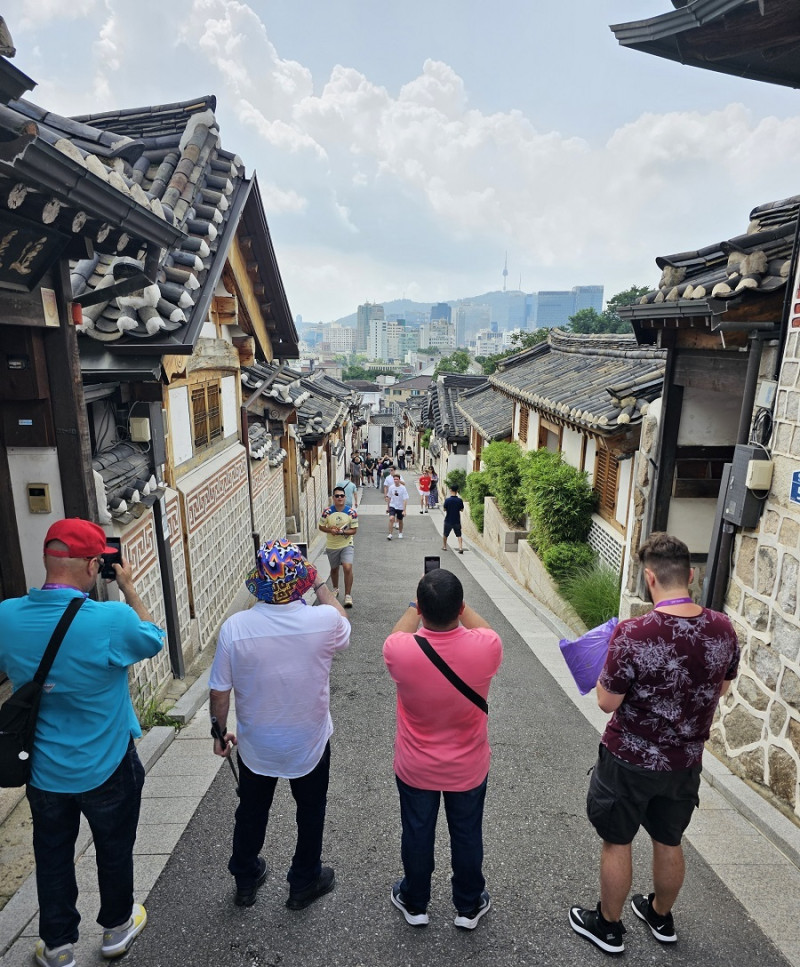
412	604
215	735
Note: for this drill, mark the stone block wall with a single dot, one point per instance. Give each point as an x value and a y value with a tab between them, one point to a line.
312	500
269	502
217	536
758	729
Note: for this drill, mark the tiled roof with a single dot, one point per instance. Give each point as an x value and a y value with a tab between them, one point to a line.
600	382
442	412
167	161
128	481
755	263
490	412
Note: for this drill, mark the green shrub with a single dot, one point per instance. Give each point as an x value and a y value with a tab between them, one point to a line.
594	593
425	439
560	501
504	464
457	479
475	490
563	560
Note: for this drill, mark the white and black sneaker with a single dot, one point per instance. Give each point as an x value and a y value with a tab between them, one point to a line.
662	928
602	933
468	921
417	918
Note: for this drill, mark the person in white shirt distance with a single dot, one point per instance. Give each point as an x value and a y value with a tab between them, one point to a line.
397	499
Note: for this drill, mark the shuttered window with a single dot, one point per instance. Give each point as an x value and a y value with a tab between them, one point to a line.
206	414
522	434
605	481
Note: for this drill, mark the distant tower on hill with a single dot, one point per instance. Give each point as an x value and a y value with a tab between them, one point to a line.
505	272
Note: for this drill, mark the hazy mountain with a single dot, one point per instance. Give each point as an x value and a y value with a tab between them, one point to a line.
414	311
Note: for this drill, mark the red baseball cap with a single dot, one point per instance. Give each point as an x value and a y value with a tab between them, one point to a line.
82	537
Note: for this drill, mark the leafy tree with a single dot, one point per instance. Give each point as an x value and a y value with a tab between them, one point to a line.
592	321
457	362
504	465
626	298
519	342
588	321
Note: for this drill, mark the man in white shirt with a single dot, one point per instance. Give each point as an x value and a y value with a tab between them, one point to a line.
277	657
397	499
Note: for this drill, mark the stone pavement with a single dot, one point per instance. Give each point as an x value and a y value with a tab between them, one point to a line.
541	854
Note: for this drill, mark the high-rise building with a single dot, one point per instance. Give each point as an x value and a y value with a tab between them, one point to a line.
438	334
366	313
470	317
342	339
377	347
441	310
555	307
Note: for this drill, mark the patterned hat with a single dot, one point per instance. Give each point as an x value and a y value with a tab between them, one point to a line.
281	574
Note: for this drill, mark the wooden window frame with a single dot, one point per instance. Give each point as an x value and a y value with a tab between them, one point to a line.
206	408
524	416
606	482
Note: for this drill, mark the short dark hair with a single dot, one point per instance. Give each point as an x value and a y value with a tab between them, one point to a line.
439	597
667	557
338	492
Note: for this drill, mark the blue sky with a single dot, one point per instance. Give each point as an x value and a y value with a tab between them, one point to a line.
403	148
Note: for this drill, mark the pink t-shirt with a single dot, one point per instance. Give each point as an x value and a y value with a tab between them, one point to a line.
442	739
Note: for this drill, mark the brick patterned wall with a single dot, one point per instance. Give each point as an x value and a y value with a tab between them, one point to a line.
175	523
217	536
269	503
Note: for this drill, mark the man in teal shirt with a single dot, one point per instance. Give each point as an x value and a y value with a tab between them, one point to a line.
84	760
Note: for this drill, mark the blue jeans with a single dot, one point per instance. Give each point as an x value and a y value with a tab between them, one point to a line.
419	809
310	794
112	811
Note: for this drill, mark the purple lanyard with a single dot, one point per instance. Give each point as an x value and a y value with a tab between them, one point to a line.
51	586
668	602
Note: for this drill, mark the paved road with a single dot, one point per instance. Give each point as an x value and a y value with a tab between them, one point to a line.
541	854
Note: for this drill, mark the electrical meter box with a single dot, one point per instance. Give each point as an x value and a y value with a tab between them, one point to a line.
742	507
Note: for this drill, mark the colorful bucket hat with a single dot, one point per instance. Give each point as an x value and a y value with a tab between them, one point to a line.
281	574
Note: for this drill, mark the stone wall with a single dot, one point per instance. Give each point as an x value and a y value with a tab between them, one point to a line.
758	730
269	504
312	500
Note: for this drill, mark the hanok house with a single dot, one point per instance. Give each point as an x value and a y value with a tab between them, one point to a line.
584	396
450	434
738	341
310	420
162	335
491	417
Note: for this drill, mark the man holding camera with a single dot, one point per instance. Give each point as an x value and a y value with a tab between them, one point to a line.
84	759
442	742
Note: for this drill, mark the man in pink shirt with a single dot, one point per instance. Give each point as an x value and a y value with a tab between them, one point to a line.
442	743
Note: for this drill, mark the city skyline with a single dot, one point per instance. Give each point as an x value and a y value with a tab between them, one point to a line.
396	161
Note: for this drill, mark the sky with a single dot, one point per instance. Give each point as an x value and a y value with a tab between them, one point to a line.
405	150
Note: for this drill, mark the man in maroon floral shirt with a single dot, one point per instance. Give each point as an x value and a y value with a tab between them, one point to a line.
663	677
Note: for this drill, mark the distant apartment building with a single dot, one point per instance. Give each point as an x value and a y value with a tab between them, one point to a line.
470	317
341	339
401	339
438	334
488	342
554	308
377	346
442	310
366	313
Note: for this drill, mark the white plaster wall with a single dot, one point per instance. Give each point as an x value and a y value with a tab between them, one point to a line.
691	519
180	425
708	418
623	491
533	431
34	465
209	331
230	405
571	445
588	460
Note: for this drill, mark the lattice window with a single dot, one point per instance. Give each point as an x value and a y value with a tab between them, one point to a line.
522	434
206	414
606	474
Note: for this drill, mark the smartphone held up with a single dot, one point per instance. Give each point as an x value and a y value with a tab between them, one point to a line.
109	560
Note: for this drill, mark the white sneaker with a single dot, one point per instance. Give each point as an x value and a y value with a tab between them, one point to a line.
335	592
399	537
388	537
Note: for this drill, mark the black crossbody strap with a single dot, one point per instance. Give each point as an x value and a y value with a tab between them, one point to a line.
55	641
450	675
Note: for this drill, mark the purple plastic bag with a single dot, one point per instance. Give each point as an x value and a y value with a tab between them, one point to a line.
586	655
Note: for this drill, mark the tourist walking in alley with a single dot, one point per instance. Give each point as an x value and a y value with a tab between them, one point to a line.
424	487
453	508
397	502
339	523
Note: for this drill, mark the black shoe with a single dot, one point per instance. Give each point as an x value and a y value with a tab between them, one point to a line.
300	899
662	928
246	895
592	925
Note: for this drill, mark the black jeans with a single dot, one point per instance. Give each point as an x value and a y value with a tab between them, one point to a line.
112	811
310	793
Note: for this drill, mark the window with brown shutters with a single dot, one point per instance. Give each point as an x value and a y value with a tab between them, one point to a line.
206	414
522	434
606	474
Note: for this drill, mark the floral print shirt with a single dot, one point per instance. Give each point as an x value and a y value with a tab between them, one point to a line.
670	670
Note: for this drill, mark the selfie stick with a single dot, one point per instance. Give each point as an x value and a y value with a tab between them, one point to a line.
216	731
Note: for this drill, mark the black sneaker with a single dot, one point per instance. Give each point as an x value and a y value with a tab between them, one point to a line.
592	925
417	918
469	920
662	928
246	895
300	899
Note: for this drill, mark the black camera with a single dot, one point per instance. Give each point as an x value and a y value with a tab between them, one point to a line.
109	560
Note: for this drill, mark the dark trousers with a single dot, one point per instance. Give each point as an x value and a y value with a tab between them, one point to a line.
256	792
419	809
112	811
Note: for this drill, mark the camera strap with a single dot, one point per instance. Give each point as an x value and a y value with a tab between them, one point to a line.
466	690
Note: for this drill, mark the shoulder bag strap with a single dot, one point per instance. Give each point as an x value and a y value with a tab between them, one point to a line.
56	639
450	675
